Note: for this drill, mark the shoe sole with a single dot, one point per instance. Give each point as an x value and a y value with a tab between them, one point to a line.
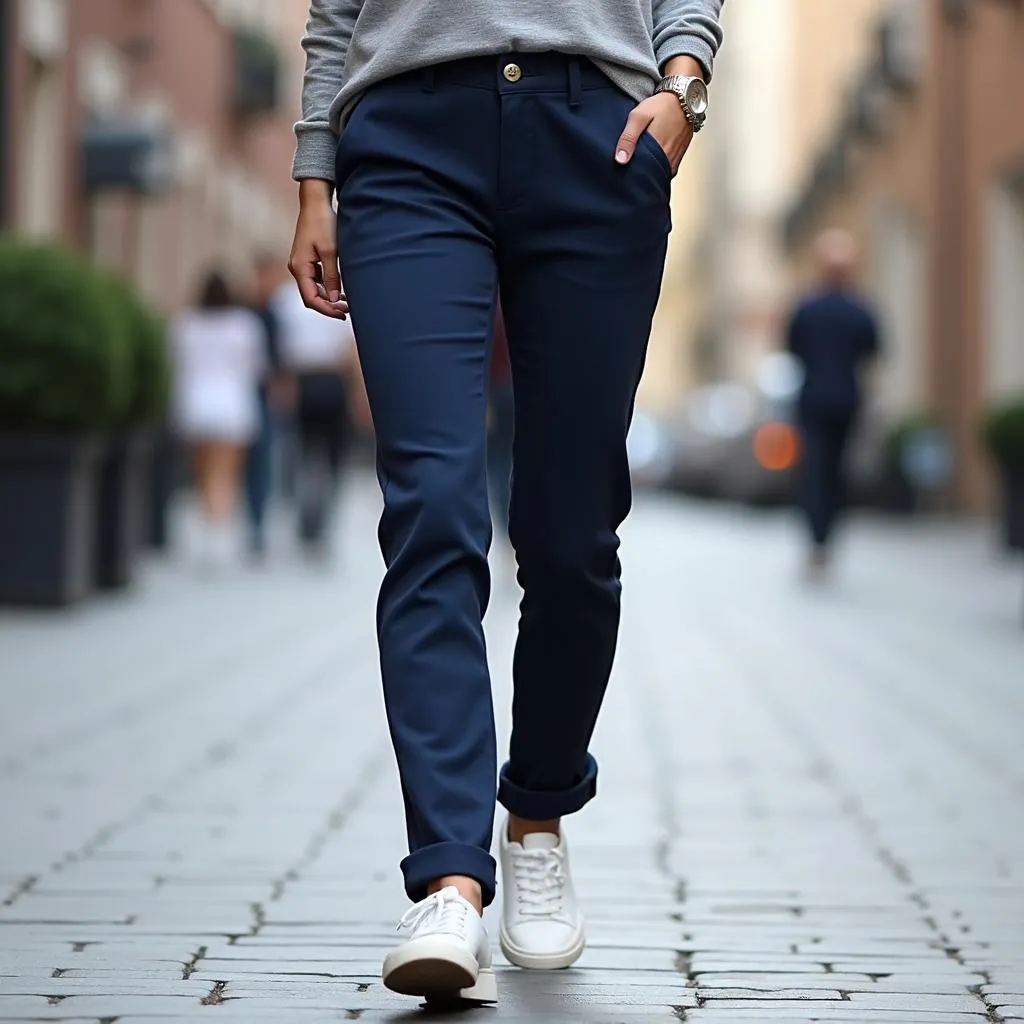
438	975
484	991
542	961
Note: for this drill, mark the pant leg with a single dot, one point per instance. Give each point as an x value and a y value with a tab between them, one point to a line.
415	167
836	437
499	451
825	439
308	456
258	472
815	480
324	418
337	444
582	257
338	431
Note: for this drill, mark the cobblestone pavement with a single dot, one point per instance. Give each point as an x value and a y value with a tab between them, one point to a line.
811	806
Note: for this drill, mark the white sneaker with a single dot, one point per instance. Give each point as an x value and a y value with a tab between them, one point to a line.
541	925
447	956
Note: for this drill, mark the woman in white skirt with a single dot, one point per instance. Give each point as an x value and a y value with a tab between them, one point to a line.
218	350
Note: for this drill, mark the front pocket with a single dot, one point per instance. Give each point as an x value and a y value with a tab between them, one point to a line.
660	155
342	160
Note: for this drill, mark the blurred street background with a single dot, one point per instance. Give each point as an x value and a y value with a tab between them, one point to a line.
821	775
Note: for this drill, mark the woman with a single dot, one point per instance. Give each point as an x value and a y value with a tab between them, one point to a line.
318	354
526	147
218	350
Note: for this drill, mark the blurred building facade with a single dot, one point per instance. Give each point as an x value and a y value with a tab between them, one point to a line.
777	87
902	121
670	371
153	134
925	164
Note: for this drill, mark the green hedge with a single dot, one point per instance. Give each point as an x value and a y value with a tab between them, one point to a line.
79	349
1003	433
903	430
150	366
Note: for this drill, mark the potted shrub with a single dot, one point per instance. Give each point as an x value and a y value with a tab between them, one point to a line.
1003	434
64	378
125	468
898	494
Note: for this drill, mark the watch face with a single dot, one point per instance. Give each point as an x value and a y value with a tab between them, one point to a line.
697	96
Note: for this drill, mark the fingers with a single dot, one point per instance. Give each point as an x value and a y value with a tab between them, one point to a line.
332	279
305	272
636	124
334	310
341	303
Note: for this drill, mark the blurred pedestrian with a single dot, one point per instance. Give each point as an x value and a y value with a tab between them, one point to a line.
318	354
273	400
465	168
832	333
501	429
219	353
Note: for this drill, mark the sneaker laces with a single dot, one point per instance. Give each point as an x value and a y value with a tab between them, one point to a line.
540	881
444	913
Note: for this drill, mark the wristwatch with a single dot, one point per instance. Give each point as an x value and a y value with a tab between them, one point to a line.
693	97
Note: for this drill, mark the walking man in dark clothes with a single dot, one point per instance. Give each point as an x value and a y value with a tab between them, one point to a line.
833	333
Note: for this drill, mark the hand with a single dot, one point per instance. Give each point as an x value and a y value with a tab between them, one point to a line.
314	257
663	119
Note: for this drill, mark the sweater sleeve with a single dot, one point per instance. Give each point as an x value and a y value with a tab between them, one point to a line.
326	41
688	28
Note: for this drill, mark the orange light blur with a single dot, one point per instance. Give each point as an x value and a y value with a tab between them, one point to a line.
776	447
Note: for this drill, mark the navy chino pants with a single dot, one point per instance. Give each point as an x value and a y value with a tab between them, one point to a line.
453	182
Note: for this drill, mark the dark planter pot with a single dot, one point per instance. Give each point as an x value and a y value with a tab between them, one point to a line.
1013	507
164	480
896	494
48	487
121	508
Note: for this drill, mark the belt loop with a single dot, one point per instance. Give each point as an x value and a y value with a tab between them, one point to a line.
429	78
575	83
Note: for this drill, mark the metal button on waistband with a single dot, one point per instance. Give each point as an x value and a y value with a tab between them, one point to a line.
513	72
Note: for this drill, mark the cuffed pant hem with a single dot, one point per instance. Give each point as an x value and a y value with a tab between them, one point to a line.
432	862
536	805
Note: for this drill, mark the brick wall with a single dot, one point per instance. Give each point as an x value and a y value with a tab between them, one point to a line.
165	60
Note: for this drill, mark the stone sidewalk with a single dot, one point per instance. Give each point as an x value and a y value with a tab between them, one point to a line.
811	804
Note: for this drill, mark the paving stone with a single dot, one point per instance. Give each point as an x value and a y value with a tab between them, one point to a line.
25	1008
729	994
858	1016
809	807
767	982
918	1002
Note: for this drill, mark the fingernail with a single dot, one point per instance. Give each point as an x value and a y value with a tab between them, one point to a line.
622	157
334	295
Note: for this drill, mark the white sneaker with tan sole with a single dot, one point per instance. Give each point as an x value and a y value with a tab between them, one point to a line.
541	925
447	957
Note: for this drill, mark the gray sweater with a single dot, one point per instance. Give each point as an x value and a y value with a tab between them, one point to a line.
351	44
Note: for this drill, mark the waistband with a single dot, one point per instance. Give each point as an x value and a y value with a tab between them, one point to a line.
513	72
